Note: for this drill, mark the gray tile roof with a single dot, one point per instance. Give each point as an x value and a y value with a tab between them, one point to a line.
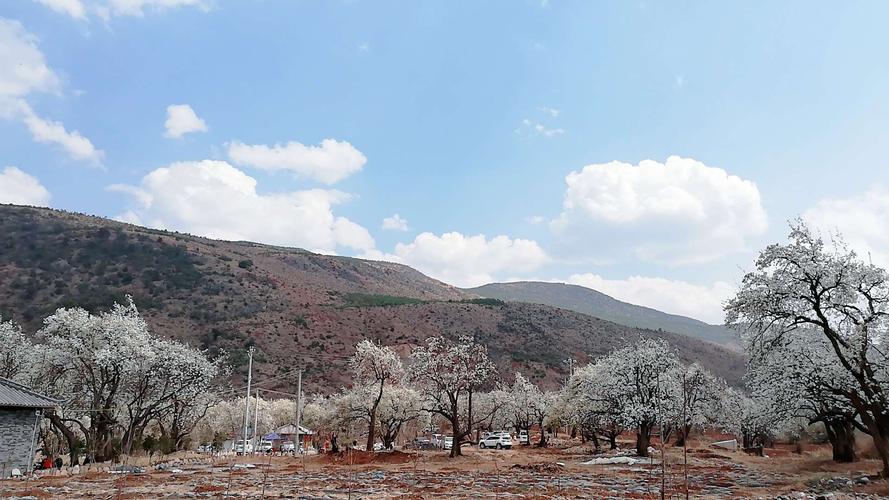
17	395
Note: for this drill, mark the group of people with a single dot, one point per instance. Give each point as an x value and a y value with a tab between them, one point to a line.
48	463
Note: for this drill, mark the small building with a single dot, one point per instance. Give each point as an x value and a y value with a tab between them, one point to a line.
20	412
288	433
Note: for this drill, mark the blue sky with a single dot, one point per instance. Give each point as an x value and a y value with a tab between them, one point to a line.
309	123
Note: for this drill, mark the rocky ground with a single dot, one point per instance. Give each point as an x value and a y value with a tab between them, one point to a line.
517	473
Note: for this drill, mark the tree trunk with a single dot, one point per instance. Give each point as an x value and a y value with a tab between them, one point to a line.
455	431
372	425
70	437
643	439
596	446
682	435
542	442
878	428
841	435
612	441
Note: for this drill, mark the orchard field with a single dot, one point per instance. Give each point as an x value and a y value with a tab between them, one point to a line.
558	471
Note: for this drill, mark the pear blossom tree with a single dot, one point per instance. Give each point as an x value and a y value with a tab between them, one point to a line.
831	293
16	351
448	375
798	379
496	408
373	367
530	405
398	406
636	384
698	400
115	378
594	411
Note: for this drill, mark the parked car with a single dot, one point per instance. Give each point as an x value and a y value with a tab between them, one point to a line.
499	439
422	443
265	446
242	448
288	447
524	438
438	440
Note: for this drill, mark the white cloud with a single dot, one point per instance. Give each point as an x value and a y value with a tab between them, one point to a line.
862	220
681	211
364	47
105	9
19	188
24	68
181	120
139	7
532	127
466	260
553	112
703	302
25	71
73	8
77	146
395	223
214	199
535	220
329	163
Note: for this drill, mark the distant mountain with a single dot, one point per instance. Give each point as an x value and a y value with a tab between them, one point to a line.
588	301
297	307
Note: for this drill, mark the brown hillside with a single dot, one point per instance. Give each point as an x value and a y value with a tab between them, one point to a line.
295	306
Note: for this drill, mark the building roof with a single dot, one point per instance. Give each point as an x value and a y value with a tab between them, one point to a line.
290	429
19	396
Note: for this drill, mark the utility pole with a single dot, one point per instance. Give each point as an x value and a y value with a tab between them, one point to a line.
255	420
299	396
247	399
570	362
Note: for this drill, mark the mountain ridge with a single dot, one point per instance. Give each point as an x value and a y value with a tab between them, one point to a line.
297	307
595	303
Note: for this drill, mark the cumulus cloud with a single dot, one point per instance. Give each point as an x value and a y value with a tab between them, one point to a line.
329	163
181	120
677	212
466	260
25	72
19	188
73	8
214	199
703	302
862	220
395	223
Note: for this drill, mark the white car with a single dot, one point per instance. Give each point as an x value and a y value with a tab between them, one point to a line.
437	440
265	446
500	439
524	438
243	449
288	446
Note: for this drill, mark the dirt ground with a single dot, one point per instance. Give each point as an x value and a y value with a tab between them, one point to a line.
518	473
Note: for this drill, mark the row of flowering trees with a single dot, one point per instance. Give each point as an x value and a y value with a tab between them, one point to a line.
452	382
116	380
